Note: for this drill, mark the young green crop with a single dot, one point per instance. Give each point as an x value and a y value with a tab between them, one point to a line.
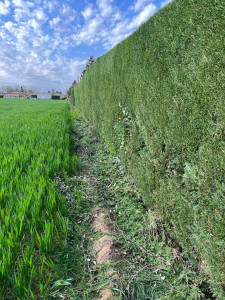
35	146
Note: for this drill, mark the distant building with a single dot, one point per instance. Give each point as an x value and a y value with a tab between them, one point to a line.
17	95
44	95
32	96
38	95
58	96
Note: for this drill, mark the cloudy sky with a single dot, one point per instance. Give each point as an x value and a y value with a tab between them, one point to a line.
46	43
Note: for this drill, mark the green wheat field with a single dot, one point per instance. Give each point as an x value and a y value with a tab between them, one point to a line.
35	145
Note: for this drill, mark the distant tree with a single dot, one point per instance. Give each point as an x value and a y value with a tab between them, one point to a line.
69	94
74	84
89	62
7	89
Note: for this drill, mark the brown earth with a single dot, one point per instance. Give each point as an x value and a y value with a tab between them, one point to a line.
107	248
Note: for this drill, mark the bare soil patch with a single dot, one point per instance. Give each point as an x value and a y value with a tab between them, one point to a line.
106	248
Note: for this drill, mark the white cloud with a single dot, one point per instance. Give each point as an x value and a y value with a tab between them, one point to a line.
50	5
2	35
22	35
36	69
164	3
109	27
124	27
9	25
90	33
41	42
139	4
116	16
54	21
22	14
34	23
114	40
40	15
120	28
88	11
4	7
68	12
34	18
18	3
21	3
105	7
143	16
3	73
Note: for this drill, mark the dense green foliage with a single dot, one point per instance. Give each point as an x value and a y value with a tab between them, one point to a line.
153	267
157	99
35	148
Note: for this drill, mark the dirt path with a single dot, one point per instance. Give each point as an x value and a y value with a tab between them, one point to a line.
105	249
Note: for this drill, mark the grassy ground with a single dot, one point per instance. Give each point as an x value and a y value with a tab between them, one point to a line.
154	267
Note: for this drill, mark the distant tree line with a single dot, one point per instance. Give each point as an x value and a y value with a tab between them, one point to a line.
9	89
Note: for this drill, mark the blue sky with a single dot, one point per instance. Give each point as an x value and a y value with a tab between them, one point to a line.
46	43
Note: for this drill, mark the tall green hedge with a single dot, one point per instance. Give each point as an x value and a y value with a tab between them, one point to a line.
158	100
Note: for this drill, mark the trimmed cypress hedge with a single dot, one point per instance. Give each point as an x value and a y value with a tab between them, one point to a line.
158	100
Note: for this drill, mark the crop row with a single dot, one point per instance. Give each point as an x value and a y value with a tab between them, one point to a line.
35	147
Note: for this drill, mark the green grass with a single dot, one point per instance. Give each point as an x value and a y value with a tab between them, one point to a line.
157	98
35	144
